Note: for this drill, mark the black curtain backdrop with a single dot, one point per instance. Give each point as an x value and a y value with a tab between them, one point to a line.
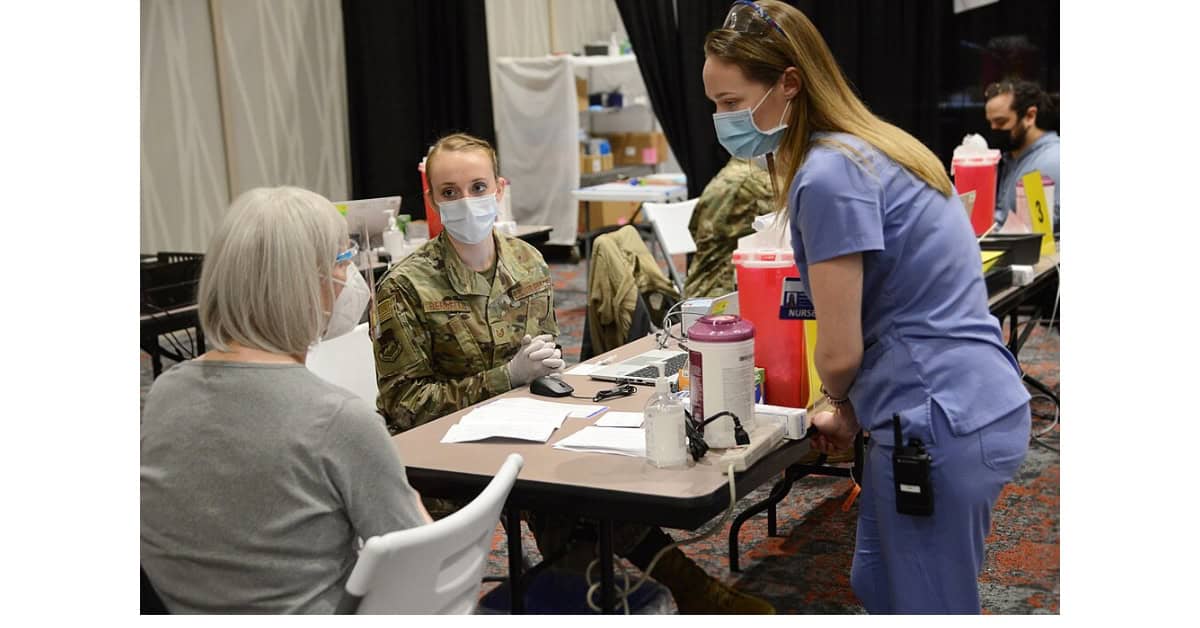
915	63
414	72
670	54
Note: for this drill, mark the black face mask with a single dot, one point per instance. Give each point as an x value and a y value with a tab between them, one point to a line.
1004	140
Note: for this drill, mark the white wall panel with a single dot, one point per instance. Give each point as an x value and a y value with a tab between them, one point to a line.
282	72
184	190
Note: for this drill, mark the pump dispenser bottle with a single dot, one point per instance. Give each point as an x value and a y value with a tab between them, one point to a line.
663	423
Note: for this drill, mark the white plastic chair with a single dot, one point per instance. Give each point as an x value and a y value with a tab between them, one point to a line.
435	568
347	361
670	222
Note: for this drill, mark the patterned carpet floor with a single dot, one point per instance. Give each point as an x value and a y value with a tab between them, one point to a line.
806	568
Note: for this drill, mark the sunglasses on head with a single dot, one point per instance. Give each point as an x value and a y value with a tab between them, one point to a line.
747	17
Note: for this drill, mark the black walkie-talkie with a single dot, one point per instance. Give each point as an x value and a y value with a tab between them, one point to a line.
911	466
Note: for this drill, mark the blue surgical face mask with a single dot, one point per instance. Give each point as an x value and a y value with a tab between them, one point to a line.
469	220
742	138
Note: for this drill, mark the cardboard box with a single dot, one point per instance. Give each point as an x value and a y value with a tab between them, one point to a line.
604	213
591	164
632	149
581	93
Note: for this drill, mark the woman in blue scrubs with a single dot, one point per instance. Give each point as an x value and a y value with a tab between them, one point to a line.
887	254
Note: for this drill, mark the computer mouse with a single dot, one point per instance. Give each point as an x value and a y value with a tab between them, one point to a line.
550	387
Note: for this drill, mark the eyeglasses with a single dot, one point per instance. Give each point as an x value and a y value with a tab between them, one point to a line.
347	255
747	17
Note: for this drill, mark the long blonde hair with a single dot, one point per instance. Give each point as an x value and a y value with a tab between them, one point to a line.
825	101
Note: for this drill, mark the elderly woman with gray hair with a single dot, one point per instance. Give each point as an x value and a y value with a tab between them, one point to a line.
257	477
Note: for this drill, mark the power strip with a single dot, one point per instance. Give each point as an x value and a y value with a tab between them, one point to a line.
763	440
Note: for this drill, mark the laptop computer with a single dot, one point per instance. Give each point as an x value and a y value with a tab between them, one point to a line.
643	367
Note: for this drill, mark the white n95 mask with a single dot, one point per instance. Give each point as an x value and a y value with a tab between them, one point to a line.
349	306
469	220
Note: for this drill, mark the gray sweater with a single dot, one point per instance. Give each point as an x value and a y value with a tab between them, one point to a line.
256	482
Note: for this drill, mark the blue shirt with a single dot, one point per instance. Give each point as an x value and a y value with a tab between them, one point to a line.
1041	156
927	332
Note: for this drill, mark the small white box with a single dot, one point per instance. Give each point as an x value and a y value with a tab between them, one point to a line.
793	420
1022	275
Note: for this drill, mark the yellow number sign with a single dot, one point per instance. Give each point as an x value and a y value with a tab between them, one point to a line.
1039	213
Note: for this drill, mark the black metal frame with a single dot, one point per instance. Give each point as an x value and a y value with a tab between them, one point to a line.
155	325
784	486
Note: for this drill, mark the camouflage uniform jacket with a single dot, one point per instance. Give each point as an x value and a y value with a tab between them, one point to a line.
739	193
621	269
446	336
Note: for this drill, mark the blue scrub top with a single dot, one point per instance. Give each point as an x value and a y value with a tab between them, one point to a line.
927	332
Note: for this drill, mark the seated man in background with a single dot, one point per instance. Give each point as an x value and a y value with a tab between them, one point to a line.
470	315
739	193
1012	111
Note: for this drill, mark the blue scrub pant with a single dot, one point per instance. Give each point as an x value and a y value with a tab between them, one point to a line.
926	565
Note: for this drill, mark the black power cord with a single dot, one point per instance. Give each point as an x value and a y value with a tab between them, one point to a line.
695	433
622	390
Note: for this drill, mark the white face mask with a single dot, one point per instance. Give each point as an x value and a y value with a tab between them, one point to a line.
349	306
470	219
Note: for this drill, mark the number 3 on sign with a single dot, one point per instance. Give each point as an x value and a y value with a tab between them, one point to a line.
1036	197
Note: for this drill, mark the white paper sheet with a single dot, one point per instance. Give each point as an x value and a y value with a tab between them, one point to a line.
515	416
620	419
584	369
606	440
460	433
573	410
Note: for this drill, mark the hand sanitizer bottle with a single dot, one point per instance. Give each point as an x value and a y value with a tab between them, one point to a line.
393	238
663	422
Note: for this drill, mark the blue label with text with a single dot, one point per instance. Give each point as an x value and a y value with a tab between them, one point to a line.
794	303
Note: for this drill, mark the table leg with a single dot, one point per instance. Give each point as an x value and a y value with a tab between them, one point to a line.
778	492
1013	347
1018	338
515	559
607	592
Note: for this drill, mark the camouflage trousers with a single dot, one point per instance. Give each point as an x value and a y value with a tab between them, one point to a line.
578	538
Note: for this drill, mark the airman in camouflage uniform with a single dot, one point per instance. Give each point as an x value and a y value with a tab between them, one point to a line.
739	193
446	335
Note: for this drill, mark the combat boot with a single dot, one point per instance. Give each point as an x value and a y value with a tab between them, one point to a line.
696	592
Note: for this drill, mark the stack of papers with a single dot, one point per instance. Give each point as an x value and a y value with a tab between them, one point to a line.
573	410
465	433
606	440
621	419
519	418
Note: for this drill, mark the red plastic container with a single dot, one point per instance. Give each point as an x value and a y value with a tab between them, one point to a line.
978	174
431	215
779	346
